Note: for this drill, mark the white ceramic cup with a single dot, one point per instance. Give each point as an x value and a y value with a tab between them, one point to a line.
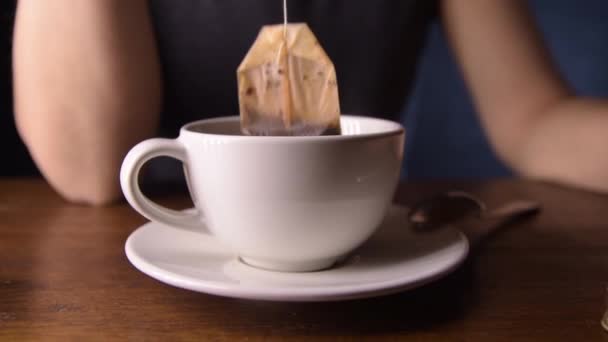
281	203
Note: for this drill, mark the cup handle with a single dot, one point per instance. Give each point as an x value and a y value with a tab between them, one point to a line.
129	175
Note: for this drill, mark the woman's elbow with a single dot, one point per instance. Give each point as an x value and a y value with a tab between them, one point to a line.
92	191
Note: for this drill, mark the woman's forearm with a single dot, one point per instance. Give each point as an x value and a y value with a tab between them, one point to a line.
87	87
569	144
532	118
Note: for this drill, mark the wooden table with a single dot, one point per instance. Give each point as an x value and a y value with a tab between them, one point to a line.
64	275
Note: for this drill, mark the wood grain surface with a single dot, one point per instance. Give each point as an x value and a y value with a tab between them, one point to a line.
64	276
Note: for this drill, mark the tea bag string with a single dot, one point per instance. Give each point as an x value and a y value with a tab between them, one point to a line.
284	19
283	62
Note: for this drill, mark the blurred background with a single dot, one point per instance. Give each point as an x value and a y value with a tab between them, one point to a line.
16	160
444	137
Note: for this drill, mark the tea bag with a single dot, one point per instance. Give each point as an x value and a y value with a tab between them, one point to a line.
287	84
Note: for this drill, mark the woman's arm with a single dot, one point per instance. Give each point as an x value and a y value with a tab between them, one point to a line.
532	118
87	87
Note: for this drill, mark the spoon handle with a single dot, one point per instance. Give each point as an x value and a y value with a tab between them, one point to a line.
512	209
494	220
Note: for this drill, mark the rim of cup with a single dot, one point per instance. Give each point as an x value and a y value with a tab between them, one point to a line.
351	123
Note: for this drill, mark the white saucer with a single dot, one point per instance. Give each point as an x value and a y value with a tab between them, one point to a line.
393	260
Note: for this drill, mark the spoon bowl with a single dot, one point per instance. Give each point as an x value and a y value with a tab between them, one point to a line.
455	206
